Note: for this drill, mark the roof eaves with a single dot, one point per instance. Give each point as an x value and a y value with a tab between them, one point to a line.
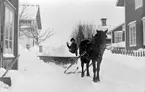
117	27
120	3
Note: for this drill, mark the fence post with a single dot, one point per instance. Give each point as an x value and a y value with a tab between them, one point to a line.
127	52
133	53
130	52
136	54
124	52
143	53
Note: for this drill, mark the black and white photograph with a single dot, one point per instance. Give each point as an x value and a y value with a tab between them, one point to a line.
72	45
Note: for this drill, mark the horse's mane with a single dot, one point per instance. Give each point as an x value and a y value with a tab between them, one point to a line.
96	40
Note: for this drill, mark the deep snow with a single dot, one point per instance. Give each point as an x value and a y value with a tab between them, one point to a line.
118	74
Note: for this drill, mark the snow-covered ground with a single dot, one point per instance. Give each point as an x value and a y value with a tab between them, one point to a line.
118	74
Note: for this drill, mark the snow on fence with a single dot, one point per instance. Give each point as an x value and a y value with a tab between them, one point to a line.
137	53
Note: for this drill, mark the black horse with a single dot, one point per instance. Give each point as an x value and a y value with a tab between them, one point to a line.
93	50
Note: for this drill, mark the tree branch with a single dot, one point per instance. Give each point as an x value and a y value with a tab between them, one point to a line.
49	34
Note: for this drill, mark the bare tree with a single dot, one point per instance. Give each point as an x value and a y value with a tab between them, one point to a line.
78	33
37	35
89	31
28	27
83	31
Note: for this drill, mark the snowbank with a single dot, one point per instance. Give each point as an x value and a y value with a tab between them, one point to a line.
118	74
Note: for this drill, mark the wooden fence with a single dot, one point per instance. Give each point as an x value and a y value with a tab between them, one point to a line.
137	53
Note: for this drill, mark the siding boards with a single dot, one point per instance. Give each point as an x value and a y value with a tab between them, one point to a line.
134	15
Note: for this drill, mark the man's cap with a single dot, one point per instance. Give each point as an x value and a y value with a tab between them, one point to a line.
72	39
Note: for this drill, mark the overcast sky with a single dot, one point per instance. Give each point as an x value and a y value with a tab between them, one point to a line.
63	15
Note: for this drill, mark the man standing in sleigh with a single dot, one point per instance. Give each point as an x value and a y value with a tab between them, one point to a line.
73	47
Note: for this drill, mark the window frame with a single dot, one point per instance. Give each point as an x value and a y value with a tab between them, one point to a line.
132	34
9	52
138	6
118	36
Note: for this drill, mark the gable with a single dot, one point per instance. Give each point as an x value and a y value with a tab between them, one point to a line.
120	3
118	28
30	13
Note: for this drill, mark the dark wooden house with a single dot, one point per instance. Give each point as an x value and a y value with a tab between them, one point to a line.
8	33
134	23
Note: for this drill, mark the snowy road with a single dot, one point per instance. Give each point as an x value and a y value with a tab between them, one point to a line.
116	76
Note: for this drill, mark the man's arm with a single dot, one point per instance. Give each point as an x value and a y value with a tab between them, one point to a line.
68	45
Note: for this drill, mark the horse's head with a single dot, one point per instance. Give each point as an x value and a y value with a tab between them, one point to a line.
100	37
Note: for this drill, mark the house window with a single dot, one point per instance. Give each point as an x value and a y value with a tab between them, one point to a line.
118	36
143	19
132	33
9	30
138	3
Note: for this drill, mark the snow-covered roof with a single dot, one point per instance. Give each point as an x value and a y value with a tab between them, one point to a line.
117	27
120	3
109	36
28	12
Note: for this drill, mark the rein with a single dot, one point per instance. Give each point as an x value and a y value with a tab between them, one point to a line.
75	61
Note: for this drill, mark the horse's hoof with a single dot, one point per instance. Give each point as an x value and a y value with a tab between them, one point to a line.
82	75
96	80
88	75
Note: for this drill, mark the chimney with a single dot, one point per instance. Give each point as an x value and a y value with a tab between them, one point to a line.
104	21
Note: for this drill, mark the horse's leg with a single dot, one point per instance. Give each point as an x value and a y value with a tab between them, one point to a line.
87	66
94	70
82	65
98	69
